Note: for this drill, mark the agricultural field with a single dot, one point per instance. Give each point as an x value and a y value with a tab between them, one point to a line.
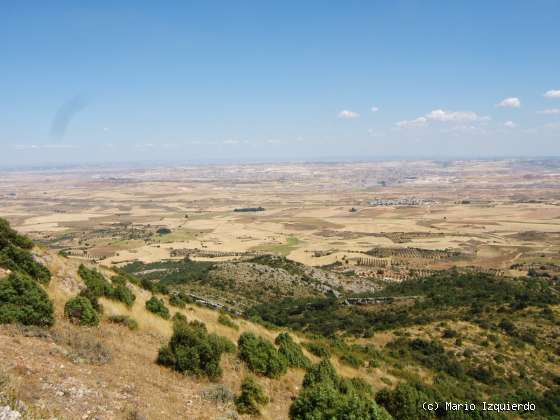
387	220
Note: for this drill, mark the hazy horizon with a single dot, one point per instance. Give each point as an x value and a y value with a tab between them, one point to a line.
150	164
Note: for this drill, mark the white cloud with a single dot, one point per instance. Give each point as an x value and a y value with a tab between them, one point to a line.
348	114
440	115
550	111
510	103
552	94
454	116
418	122
231	141
374	109
510	124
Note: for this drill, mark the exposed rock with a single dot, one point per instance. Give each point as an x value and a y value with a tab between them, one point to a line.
6	413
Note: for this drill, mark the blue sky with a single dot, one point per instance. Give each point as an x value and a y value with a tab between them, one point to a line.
260	80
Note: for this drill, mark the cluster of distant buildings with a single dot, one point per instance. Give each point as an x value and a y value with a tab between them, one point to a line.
406	201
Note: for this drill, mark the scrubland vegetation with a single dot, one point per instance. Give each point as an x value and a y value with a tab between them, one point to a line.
251	398
193	351
22	297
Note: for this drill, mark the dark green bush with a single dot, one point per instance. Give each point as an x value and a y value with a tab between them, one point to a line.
288	348
124	320
80	311
97	286
91	296
405	402
261	356
10	236
508	327
226	320
123	294
119	280
95	281
317	349
449	333
157	306
124	276
193	351
251	397
325	395
323	371
19	259
23	301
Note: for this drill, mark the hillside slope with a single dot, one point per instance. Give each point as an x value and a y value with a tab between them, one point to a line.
453	336
109	371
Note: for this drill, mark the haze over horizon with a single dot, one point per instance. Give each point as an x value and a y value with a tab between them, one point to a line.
218	81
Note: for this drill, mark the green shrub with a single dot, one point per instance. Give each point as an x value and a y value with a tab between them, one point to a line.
80	311
251	397
291	351
123	294
95	281
18	259
323	371
317	349
193	351
124	320
10	236
176	300
121	274
508	326
97	285
226	320
157	306
449	333
90	295
405	402
261	356
119	280
23	301
179	317
327	396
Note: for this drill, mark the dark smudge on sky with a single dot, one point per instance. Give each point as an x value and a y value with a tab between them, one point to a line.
65	114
